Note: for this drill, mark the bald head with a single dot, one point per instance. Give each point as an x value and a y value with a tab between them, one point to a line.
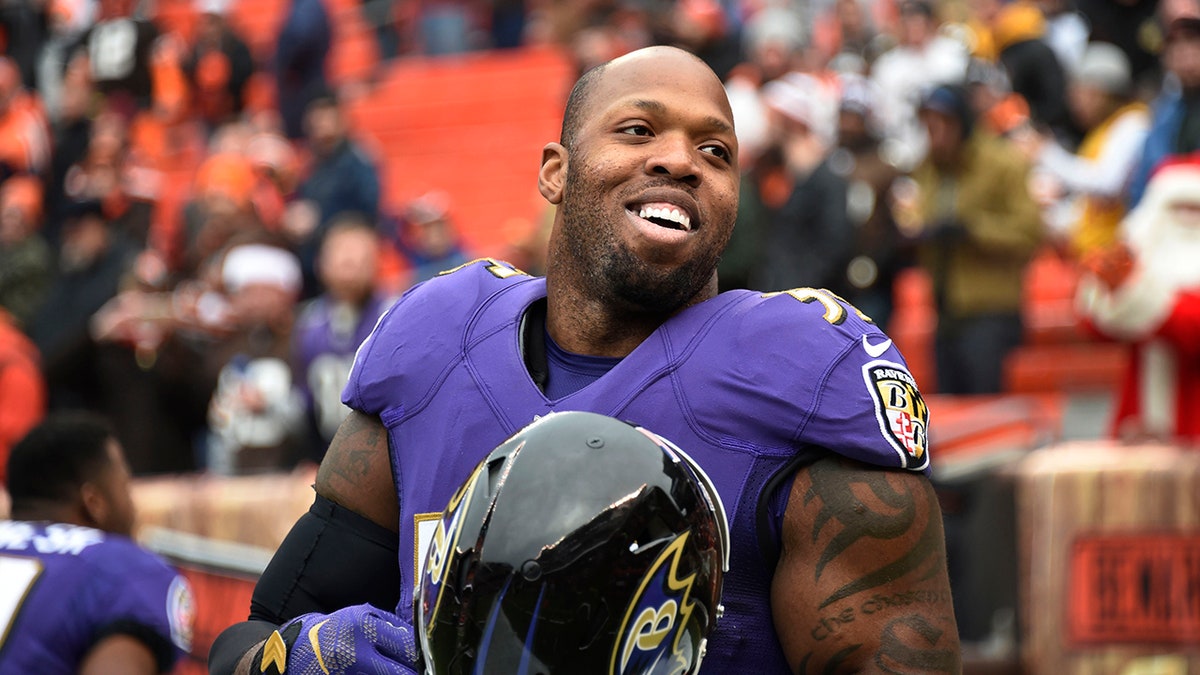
666	59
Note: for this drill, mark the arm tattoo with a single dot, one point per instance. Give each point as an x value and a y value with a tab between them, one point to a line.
835	662
910	644
358	441
832	484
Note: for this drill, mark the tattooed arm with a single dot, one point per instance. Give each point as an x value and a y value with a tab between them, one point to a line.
341	553
861	584
357	471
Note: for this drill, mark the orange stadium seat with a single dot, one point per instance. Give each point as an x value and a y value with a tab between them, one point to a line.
914	321
1058	354
472	126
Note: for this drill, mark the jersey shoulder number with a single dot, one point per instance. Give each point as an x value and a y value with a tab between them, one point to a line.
498	268
837	308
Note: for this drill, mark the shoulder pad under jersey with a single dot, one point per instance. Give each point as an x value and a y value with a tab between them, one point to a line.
422	334
804	367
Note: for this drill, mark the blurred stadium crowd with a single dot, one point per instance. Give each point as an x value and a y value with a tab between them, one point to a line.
194	235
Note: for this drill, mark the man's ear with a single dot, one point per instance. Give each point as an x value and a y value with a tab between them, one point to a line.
94	505
553	172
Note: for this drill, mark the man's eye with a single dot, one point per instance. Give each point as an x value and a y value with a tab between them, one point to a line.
717	151
636	130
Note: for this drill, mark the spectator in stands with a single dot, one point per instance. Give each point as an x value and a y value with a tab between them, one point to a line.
118	174
301	53
149	371
66	22
923	58
701	27
22	389
25	258
428	239
24	131
975	227
341	180
332	325
118	51
877	254
23	26
846	27
1033	68
803	237
380	17
1133	26
1094	177
1175	125
1146	291
71	134
256	414
508	23
1066	31
773	40
998	109
83	597
92	262
274	163
218	67
447	27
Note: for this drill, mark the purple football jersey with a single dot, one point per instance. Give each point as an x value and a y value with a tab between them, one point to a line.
751	385
63	587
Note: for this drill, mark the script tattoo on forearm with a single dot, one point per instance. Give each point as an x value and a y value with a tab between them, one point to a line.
834	486
909	645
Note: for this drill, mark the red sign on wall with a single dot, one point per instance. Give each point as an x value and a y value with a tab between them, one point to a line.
1134	589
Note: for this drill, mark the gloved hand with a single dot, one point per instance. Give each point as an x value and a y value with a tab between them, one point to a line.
352	640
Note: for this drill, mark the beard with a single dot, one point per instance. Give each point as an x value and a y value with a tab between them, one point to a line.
1172	253
607	267
1167	239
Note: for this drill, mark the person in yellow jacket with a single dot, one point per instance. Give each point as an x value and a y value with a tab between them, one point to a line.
974	226
1086	189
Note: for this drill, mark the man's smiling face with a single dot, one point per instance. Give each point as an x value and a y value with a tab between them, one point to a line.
650	182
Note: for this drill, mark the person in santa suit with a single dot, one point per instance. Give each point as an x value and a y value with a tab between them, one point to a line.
1146	291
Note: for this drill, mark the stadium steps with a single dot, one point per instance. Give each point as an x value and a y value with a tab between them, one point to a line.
472	126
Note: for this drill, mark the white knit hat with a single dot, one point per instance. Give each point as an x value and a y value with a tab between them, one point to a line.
1105	67
251	264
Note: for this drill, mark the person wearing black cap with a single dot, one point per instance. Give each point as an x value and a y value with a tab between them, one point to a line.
1175	129
975	227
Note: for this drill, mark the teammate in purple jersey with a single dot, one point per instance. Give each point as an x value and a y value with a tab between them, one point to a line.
77	595
799	408
332	325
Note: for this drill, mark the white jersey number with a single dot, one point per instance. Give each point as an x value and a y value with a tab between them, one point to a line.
16	578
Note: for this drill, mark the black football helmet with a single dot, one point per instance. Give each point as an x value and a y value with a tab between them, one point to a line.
581	545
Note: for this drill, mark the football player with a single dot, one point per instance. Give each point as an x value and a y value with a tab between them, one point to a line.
77	595
802	412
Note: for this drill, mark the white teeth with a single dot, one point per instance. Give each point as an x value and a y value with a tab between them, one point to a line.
673	215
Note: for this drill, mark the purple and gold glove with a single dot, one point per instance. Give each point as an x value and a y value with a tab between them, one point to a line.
352	640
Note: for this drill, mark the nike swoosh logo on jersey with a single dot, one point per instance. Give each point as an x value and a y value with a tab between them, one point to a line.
312	640
876	351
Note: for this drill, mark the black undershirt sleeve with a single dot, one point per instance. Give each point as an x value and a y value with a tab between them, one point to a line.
332	558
